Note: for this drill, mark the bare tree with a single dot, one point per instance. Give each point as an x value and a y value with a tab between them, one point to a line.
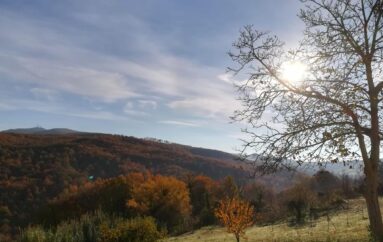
332	113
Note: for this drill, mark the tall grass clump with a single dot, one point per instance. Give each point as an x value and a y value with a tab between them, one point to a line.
35	234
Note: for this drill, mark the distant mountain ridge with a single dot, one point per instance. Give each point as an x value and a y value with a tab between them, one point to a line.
352	168
40	130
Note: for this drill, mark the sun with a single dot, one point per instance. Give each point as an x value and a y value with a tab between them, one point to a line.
293	71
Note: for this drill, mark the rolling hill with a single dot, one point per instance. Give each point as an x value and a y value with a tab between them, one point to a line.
344	225
37	167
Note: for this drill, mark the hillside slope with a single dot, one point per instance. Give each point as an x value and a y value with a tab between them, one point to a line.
35	168
349	224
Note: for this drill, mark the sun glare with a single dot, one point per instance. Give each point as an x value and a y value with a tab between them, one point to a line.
293	72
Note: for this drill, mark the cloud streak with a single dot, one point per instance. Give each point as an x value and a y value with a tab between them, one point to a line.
180	123
64	65
158	63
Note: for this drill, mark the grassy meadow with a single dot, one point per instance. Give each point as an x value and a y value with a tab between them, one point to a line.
349	224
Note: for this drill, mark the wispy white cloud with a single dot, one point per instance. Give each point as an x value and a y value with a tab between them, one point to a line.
89	82
226	77
65	65
213	107
44	93
56	108
5	106
130	109
180	123
147	104
238	136
98	115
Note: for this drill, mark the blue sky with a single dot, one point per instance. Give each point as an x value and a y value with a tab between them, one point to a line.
146	68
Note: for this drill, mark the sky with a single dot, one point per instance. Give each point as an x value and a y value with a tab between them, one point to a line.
144	68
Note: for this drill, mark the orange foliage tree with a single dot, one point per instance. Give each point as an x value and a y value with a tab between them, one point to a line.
164	198
236	215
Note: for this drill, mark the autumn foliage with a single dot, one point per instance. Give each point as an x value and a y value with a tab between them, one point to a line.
35	169
51	180
236	215
165	198
203	197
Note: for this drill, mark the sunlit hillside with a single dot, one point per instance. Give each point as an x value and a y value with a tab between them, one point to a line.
344	225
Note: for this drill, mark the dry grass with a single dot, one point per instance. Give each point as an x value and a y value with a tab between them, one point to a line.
346	225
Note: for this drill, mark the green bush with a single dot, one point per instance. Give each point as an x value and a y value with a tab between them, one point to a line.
97	227
85	230
133	230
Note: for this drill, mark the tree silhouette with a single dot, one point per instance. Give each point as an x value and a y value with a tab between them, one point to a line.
332	112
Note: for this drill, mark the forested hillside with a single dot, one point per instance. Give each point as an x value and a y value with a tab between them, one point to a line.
36	168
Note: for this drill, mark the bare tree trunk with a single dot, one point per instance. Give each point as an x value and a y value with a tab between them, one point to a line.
299	215
371	164
371	196
237	237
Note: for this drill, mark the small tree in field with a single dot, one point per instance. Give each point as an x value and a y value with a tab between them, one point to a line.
322	101
236	215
